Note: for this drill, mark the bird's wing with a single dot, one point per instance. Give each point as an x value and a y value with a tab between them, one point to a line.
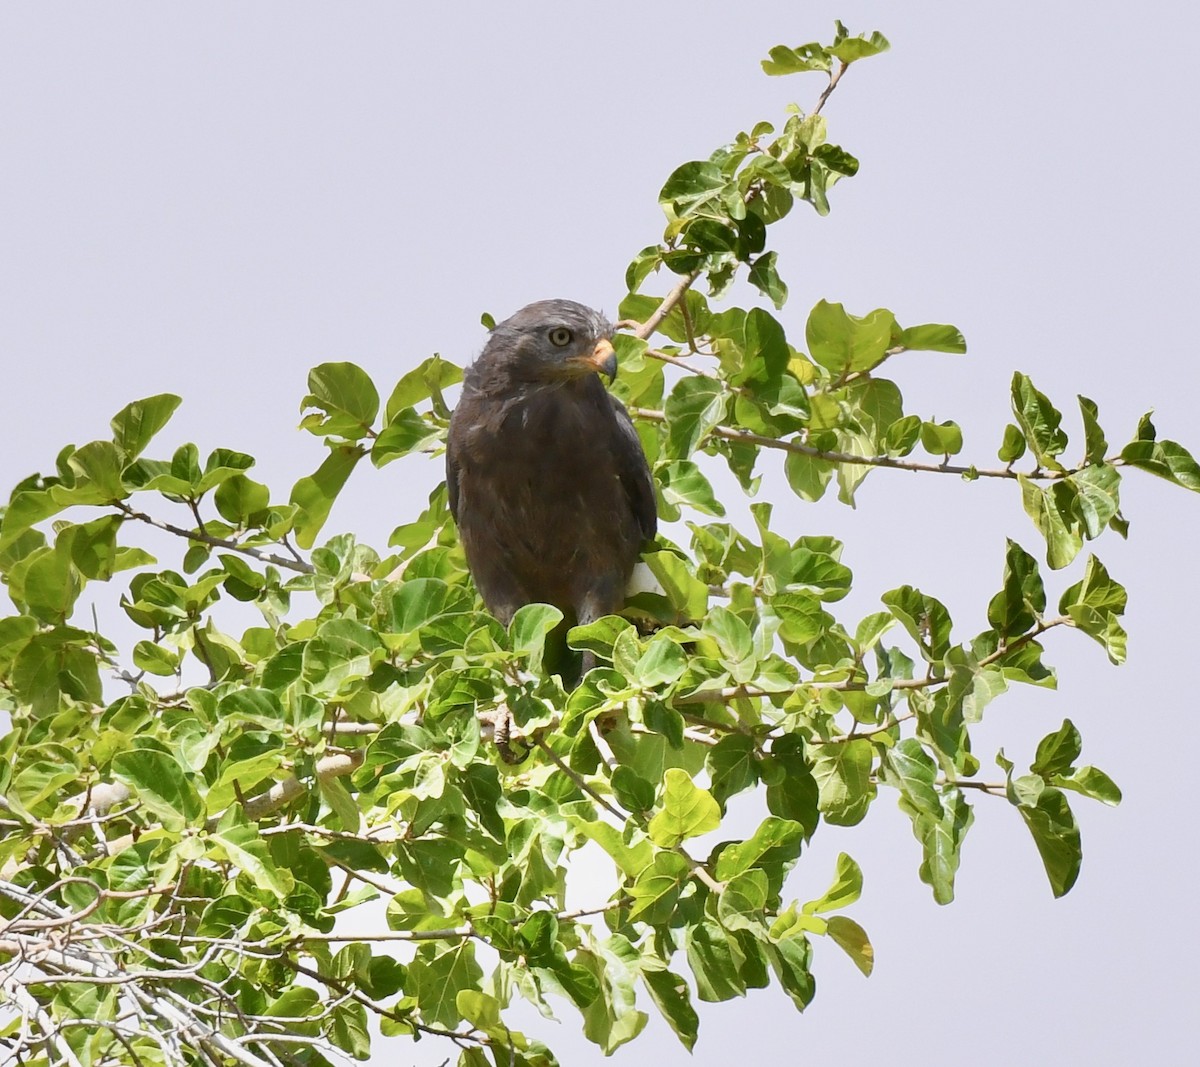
634	471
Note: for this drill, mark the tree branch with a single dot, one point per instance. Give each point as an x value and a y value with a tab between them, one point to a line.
299	566
675	361
620	816
664	309
730	433
737	692
834	78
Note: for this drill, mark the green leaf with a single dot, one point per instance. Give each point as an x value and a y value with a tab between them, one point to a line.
657	888
933	337
1097	499
875	403
846	888
349	1031
687	811
836	159
437	977
240	500
924	617
136	424
1012	448
1164	458
1095	444
854	942
844	343
1056	834
611	1019
792	791
645	262
691	187
154	659
240	844
843	776
695	406
24	509
713	963
941	438
732	766
685	593
43	771
683	482
764	276
909	768
851	49
422	382
407	432
1052	512
809	476
734	640
672	998
775	844
46	584
346	399
1057	752
941	836
1091	782
599	636
222	463
633	858
314	495
791	958
52	665
530	627
710	236
902	436
1039	421
786	60
1017	607
662	663
97	469
161	784
742	902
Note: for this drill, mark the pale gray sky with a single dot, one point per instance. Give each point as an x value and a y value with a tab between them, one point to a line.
210	199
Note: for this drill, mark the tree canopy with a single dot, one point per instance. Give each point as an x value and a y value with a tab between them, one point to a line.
194	823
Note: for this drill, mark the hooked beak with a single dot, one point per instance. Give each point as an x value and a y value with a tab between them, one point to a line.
602	360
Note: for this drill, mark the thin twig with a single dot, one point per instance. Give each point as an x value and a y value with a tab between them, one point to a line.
620	816
675	361
664	309
738	692
995	789
299	566
730	433
834	78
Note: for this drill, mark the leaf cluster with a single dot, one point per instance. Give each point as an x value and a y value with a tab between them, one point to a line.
206	808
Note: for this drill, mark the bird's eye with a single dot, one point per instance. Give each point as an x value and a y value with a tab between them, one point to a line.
560	337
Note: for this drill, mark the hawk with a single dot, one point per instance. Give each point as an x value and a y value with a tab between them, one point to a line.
547	479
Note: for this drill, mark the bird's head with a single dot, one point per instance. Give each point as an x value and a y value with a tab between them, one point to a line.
551	341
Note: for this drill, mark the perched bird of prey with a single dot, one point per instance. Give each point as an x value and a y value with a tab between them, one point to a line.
547	478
